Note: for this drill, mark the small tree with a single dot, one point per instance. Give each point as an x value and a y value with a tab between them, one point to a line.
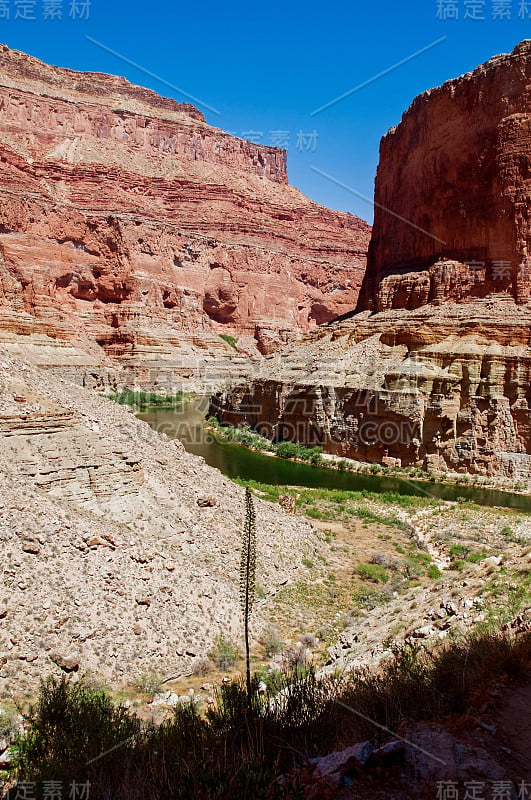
248	575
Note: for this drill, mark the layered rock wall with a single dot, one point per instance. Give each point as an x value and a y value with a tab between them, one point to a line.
439	376
452	192
127	221
403	388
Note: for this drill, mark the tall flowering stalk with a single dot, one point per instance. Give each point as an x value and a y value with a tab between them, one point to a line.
248	575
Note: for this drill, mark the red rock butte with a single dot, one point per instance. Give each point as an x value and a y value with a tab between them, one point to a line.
452	192
127	221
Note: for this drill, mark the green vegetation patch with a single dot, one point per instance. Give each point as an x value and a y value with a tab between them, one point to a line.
137	399
224	653
229	339
372	572
298	451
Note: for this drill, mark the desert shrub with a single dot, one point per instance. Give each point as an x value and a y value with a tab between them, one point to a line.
345	620
314	455
309	640
224	653
293	657
288	450
201	666
370	597
69	726
385	560
149	682
260	591
384	519
372	572
229	339
459	550
9	724
315	513
271	641
295	450
433	572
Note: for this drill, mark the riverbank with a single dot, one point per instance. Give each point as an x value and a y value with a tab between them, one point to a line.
140	400
296	452
257	460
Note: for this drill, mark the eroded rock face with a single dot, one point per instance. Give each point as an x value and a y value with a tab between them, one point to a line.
452	192
126	220
120	551
439	377
444	391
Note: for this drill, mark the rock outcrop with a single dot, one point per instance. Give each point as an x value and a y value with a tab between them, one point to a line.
128	222
452	192
111	562
439	377
442	393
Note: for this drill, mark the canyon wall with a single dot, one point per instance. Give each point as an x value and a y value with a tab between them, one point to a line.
443	393
452	192
130	224
434	370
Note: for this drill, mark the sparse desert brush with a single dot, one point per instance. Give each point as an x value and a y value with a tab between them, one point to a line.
224	653
309	640
387	561
293	657
149	682
271	641
9	723
245	741
70	723
434	572
345	620
201	666
372	572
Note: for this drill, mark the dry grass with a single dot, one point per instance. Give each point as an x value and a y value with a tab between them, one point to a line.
241	747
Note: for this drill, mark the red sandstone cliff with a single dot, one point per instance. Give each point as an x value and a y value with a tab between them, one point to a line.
126	220
452	192
440	377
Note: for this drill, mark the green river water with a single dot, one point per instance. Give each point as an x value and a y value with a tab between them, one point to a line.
186	422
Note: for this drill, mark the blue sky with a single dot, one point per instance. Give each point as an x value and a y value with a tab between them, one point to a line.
266	67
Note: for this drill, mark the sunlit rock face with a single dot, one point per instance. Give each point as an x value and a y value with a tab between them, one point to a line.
128	221
453	192
434	370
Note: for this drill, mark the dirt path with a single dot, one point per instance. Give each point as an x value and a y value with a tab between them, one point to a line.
513	723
